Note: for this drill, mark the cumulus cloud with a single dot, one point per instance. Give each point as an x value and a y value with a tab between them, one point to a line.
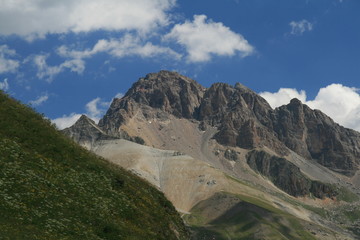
340	102
283	96
7	64
34	19
40	100
128	45
94	109
4	85
203	38
44	71
66	120
299	27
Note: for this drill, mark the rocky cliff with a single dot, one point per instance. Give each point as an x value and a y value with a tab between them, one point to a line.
287	176
312	134
243	118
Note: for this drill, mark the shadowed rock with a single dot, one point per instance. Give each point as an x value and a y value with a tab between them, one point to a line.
312	134
287	176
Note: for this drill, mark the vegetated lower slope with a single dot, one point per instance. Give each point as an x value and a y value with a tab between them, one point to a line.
50	188
245	218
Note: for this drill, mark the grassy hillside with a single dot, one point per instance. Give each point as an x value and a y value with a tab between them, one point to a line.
52	189
246	218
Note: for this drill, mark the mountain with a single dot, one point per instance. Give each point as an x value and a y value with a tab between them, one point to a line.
243	119
51	188
224	147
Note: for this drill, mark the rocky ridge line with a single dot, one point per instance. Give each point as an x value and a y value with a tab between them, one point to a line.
242	117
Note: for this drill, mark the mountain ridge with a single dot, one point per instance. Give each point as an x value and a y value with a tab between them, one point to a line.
243	118
230	132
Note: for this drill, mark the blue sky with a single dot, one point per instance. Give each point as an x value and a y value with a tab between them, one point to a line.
66	57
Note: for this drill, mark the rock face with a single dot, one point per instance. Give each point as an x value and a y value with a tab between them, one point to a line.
287	176
312	134
246	120
242	119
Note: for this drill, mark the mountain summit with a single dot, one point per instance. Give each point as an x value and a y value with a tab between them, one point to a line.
165	91
203	145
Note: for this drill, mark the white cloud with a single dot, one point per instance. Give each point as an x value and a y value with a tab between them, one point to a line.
128	45
119	95
283	96
340	102
203	38
34	19
66	120
40	100
4	85
44	71
96	108
6	64
299	27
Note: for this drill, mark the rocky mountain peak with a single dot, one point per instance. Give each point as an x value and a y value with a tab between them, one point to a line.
168	76
164	81
165	91
168	91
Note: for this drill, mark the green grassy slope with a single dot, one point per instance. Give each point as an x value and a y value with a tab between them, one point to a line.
50	188
247	218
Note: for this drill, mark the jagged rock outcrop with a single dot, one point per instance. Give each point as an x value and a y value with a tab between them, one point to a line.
287	176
